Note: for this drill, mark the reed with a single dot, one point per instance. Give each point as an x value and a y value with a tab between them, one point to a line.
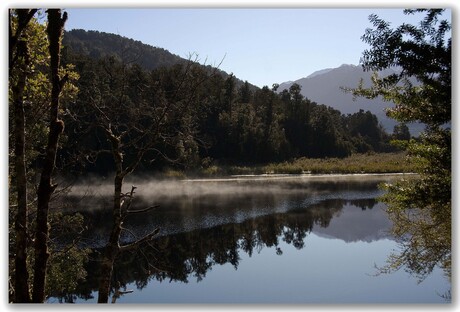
357	163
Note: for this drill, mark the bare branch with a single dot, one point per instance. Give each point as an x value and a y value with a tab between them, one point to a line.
129	231
142	210
140	241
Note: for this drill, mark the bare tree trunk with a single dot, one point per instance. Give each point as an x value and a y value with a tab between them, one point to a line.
113	246
56	126
21	284
119	213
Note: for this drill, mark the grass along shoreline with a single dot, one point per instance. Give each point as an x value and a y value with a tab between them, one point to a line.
357	163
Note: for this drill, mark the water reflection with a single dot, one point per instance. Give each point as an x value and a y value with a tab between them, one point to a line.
203	229
187	206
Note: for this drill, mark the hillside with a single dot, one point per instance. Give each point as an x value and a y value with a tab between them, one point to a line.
215	117
324	87
97	44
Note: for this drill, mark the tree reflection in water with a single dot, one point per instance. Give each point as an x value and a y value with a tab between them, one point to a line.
210	224
190	255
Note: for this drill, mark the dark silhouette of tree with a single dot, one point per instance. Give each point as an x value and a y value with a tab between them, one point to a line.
401	132
420	207
30	109
132	118
46	188
19	68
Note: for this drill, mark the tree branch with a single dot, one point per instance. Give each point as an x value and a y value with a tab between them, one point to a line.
142	210
140	241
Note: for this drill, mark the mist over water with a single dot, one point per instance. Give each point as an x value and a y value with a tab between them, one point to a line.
187	205
153	188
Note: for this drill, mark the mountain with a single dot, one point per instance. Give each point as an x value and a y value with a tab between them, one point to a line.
96	44
320	72
373	223
99	44
324	87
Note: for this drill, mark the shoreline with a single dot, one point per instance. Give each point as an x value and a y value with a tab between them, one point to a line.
281	176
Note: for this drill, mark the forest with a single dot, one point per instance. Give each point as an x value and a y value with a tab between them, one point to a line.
105	105
207	117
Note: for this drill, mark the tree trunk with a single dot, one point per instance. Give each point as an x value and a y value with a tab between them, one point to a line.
56	126
113	246
21	284
24	17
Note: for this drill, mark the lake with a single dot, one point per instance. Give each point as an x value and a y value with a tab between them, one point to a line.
256	239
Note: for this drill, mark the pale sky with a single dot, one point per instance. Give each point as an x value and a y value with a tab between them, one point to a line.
260	45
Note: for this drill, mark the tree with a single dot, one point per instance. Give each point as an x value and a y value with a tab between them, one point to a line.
19	57
46	188
420	207
401	132
130	118
296	122
328	137
29	103
364	125
245	93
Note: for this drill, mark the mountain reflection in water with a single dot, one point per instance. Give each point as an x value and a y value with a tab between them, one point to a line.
201	229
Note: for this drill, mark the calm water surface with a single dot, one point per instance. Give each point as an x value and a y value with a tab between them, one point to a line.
257	240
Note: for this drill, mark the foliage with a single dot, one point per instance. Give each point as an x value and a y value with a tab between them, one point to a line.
422	52
99	45
356	163
401	132
379	163
421	207
229	122
67	260
35	99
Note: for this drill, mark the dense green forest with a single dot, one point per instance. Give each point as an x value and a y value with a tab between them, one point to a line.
211	117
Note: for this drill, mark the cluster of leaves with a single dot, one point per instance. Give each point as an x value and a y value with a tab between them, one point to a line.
33	99
421	207
36	100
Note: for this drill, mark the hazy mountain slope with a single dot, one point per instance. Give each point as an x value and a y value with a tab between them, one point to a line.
324	87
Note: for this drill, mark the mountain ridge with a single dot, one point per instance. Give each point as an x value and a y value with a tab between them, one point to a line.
322	86
97	44
325	87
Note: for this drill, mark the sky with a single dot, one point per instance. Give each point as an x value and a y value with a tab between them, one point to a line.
261	45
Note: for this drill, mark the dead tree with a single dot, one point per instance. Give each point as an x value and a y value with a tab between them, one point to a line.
137	117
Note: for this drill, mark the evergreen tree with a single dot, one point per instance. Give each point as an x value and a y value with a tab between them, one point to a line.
401	132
